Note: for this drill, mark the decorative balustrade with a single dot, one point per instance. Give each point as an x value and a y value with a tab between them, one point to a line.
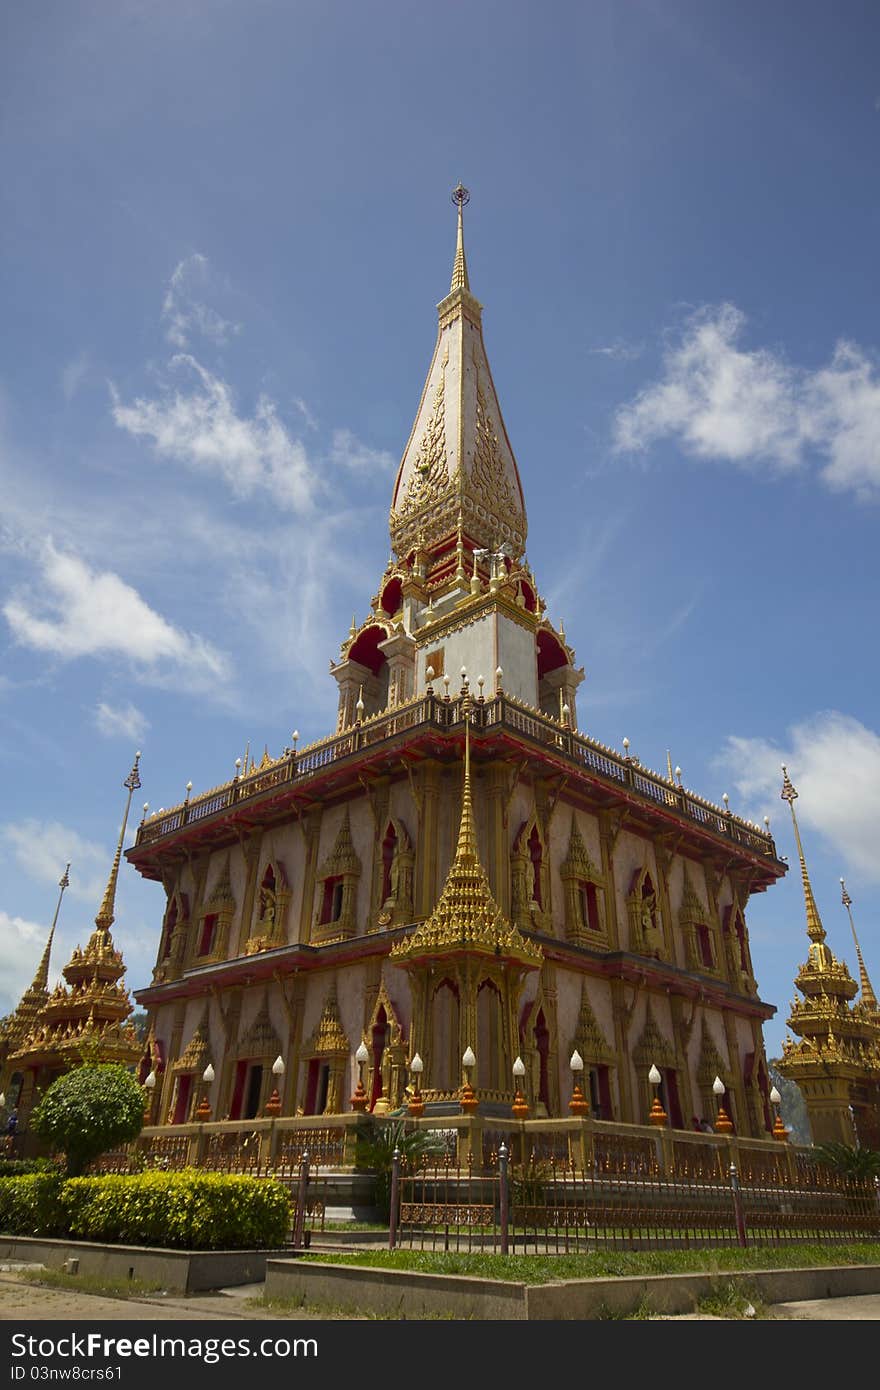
433	711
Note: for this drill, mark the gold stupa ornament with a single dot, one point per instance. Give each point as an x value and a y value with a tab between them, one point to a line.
467	918
85	1018
19	1025
837	1052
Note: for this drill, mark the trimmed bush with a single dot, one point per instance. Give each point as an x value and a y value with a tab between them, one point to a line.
14	1167
30	1205
89	1110
187	1210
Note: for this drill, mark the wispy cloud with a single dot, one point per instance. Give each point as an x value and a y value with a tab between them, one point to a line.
42	848
750	406
184	312
834	761
127	722
349	452
75	611
202	429
619	351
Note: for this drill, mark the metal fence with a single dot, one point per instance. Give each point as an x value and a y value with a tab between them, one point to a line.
545	1205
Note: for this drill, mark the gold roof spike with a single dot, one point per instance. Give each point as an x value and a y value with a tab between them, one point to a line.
815	930
460	280
869	998
41	979
105	917
467	917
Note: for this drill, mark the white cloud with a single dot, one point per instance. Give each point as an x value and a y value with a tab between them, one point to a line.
183	314
128	722
347	451
23	944
736	405
834	762
202	429
78	611
42	848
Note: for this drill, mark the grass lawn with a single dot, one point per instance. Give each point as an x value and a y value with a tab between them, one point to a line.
547	1269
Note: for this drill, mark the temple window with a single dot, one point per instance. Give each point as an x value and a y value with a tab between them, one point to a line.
331	902
599	1080
704	944
209	933
247	1090
588	907
489	1047
536	854
389	849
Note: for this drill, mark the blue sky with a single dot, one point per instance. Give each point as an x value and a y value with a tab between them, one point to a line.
225	228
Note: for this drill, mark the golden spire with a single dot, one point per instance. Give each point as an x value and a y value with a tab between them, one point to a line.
815	930
467	917
460	280
41	979
105	917
868	995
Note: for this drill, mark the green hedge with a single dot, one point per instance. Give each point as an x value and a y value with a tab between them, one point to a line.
188	1210
14	1167
30	1205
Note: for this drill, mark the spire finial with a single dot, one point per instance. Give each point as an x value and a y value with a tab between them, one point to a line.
105	917
460	281
815	930
41	979
868	996
467	836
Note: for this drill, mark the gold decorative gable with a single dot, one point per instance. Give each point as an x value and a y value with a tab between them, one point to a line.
692	909
195	1056
260	1040
652	1049
329	1038
710	1064
589	1040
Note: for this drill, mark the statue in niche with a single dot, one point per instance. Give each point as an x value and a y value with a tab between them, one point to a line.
651	935
267	905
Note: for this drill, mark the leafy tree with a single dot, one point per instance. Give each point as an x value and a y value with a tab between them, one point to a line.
848	1161
89	1110
376	1143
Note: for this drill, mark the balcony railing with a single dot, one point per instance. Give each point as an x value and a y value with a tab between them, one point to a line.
435	712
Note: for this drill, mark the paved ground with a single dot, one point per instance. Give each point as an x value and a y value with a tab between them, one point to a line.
22	1301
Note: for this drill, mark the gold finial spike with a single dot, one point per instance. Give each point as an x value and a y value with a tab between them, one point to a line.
815	930
41	979
460	281
868	996
105	917
466	850
669	771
